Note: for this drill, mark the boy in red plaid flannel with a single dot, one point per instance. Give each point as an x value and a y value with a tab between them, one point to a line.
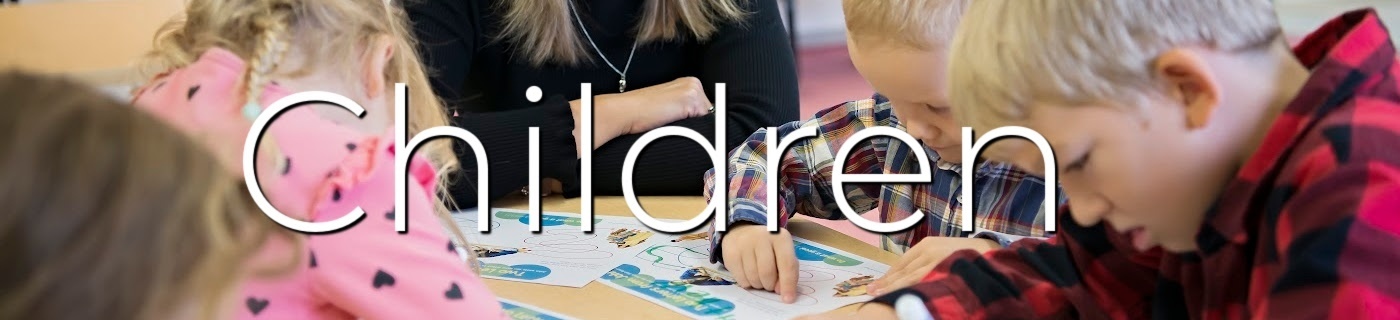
1212	172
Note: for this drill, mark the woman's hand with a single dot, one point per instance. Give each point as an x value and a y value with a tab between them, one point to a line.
643	109
652	107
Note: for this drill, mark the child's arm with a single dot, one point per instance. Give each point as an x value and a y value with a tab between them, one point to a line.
804	181
1081	271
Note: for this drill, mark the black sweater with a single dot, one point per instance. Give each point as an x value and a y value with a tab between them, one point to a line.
481	79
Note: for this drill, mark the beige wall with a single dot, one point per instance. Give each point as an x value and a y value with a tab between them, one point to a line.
1302	16
95	41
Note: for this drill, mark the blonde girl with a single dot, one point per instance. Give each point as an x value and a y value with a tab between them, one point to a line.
225	60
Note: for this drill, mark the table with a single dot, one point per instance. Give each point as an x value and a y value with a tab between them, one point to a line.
598	301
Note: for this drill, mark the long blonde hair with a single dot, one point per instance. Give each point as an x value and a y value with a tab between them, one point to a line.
111	214
328	34
544	31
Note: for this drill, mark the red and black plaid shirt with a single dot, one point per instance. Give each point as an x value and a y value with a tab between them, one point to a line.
1309	228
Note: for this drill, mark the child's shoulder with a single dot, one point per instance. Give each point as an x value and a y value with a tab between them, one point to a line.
1324	163
1367	130
196	94
845	118
1344	120
1354	149
1357	128
855	109
355	170
1005	172
1348	111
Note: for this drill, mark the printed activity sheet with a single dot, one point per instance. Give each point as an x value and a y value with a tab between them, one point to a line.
561	254
520	311
676	274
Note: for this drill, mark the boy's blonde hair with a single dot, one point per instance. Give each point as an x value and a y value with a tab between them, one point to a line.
332	34
1012	53
917	24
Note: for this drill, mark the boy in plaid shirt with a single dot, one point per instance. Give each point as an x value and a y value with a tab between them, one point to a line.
1215	173
900	48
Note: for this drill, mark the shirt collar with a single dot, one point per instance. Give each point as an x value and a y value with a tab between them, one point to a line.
1341	55
944	165
1346	52
981	167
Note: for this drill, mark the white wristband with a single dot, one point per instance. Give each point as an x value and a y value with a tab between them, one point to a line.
909	307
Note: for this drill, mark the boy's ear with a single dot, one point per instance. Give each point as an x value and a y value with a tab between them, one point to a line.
1191	82
375	64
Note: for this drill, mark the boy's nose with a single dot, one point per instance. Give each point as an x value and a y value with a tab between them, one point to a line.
927	137
1086	207
930	134
915	130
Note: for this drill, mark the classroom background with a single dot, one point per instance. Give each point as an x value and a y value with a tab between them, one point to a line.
95	40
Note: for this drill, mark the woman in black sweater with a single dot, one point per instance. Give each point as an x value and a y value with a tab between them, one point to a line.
485	54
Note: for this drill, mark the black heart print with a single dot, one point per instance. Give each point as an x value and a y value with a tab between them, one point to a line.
256	305
382	279
189	95
454	293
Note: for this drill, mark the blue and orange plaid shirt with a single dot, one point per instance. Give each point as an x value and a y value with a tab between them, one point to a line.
1009	202
1308	229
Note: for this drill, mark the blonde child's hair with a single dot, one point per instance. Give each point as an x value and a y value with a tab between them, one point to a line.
1009	54
111	214
325	34
916	24
544	31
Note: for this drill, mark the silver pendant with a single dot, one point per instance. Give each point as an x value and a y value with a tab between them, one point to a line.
622	85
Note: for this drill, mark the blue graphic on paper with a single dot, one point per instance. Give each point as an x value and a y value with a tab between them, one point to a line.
675	294
807	252
517	312
519	271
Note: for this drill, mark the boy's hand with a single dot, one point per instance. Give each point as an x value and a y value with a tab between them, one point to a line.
869	311
920	259
761	260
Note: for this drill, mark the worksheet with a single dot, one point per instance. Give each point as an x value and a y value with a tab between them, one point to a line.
561	254
520	311
676	274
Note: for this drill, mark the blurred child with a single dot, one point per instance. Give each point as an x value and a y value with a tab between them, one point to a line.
900	47
231	58
1214	173
108	214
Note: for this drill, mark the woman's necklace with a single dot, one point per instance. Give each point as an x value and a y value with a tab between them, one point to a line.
621	84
